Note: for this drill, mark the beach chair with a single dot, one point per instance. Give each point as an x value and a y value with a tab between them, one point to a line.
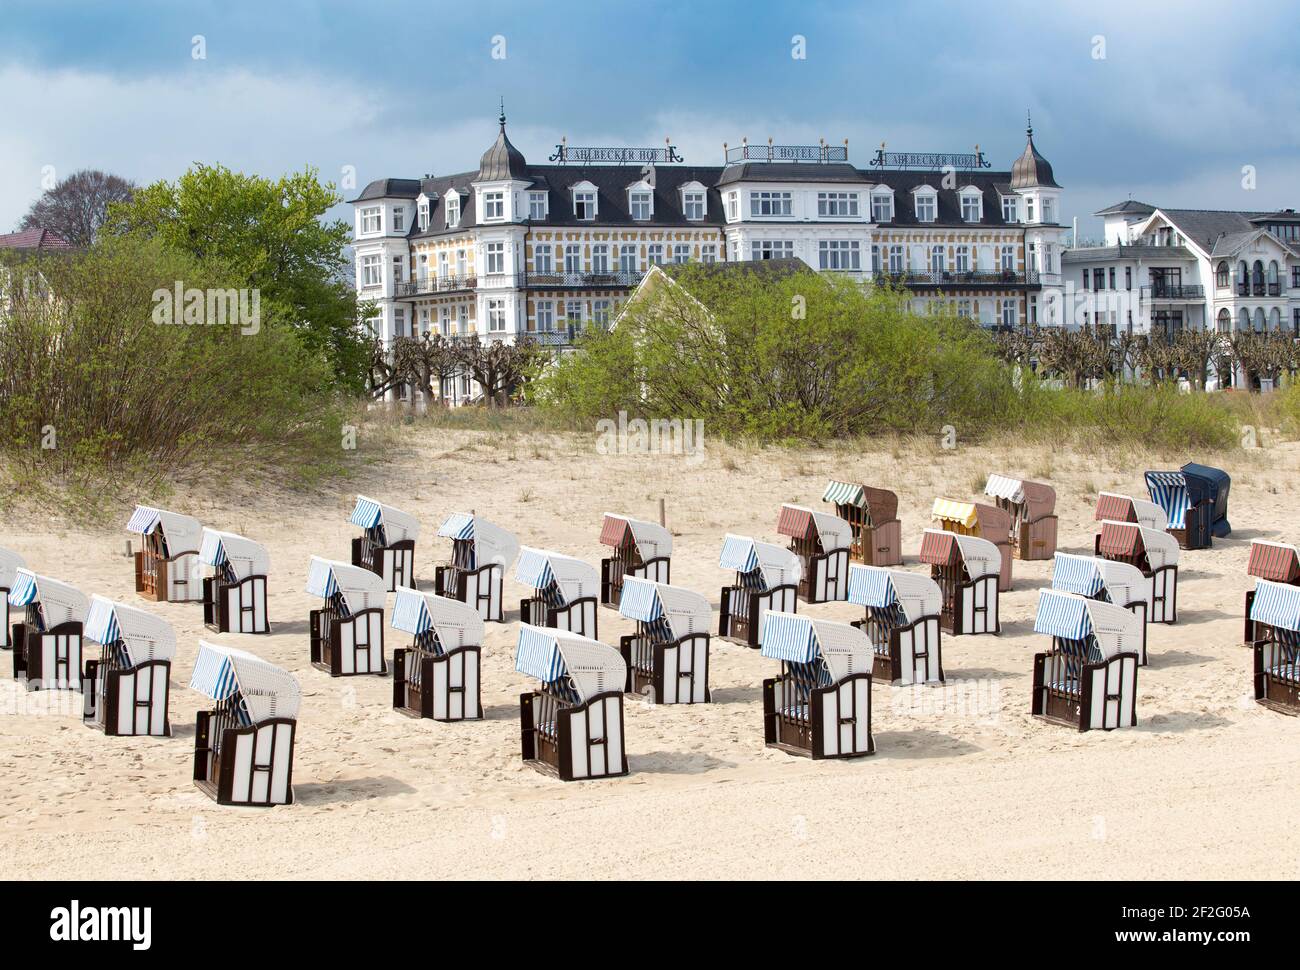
987	522
1274	561
1155	554
821	543
820	705
234	596
347	632
872	514
767	578
125	691
1113	507
480	555
1195	500
1275	620
668	656
573	727
10	563
438	675
47	643
967	569
1032	507
903	621
243	748
1088	679
1107	580
564	591
167	564
641	549
386	545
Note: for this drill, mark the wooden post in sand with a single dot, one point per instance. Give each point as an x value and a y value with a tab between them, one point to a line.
662	519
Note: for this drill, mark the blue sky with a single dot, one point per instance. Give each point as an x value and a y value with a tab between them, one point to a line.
1187	93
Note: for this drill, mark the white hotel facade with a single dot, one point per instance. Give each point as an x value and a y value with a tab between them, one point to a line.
545	250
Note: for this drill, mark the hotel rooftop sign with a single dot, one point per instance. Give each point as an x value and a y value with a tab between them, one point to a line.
787	153
565	153
929	160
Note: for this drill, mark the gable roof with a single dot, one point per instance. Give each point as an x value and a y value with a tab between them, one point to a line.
1127	207
42	239
1216	231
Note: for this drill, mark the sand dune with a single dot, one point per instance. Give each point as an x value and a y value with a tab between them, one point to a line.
966	784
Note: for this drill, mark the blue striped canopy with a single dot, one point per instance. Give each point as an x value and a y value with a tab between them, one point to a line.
458	525
1076	574
410	614
25	590
214	676
143	520
101	623
1062	615
871	587
788	637
367	514
534	569
213	552
640	601
1169	490
538	655
1276	605
321	580
738	553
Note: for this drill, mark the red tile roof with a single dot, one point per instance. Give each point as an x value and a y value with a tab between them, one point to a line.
34	239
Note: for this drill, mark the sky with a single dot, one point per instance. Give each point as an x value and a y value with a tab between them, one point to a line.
1166	101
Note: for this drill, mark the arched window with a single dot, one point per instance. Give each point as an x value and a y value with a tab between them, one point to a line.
1243	320
1243	279
1257	278
1225	318
1274	283
1259	319
1275	319
1221	275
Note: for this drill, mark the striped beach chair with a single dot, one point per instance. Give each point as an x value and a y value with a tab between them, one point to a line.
1113	507
903	622
767	578
572	727
987	522
821	542
347	632
668	656
1108	580
243	748
47	643
438	676
10	563
872	514
565	591
481	552
967	570
1088	679
1195	500
1276	562
1155	554
1032	508
167	564
386	545
126	690
638	548
234	596
820	705
1275	615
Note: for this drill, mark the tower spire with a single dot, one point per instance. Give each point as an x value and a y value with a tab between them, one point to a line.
1029	124
502	117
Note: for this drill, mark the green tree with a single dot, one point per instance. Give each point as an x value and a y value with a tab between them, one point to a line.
268	235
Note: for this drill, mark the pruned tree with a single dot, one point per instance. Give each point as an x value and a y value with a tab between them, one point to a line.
1192	352
1076	356
500	368
78	205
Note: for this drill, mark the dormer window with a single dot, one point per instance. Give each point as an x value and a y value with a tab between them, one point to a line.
694	205
372	219
927	206
1010	208
453	209
972	205
584	201
399	219
422	214
494	206
537	206
640	204
882	206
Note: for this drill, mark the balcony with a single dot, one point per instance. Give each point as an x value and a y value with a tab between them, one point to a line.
1173	291
958	280
565	335
435	284
558	281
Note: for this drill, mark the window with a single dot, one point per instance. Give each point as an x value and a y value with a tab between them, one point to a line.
771	249
453	209
399	322
709	253
1085	279
837	204
882	207
769	203
398	274
572	259
1128	277
422	214
494	206
1110	277
927	209
682	253
839	254
462	264
1009	260
600	258
372	219
1029	209
543	260
442	266
372	271
656	254
1010	209
545	316
464	319
971	207
399	219
537	206
1295	277
584	204
600	313
496	316
496	257
733	205
1295	323
963	262
1047	211
875	258
627	259
1033	257
938	258
693	205
640	205
963	309
445	323
896	260
1009	313
573	314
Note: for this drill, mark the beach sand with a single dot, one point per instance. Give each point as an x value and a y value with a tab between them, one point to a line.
965	784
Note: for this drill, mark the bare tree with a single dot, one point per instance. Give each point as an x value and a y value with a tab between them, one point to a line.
78	205
500	368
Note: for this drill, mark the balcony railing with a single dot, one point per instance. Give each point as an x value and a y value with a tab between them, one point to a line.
607	280
1173	291
436	284
972	278
1258	288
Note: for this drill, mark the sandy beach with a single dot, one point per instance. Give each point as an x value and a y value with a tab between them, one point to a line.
966	784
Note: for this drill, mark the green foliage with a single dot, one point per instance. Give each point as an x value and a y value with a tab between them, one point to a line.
251	232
